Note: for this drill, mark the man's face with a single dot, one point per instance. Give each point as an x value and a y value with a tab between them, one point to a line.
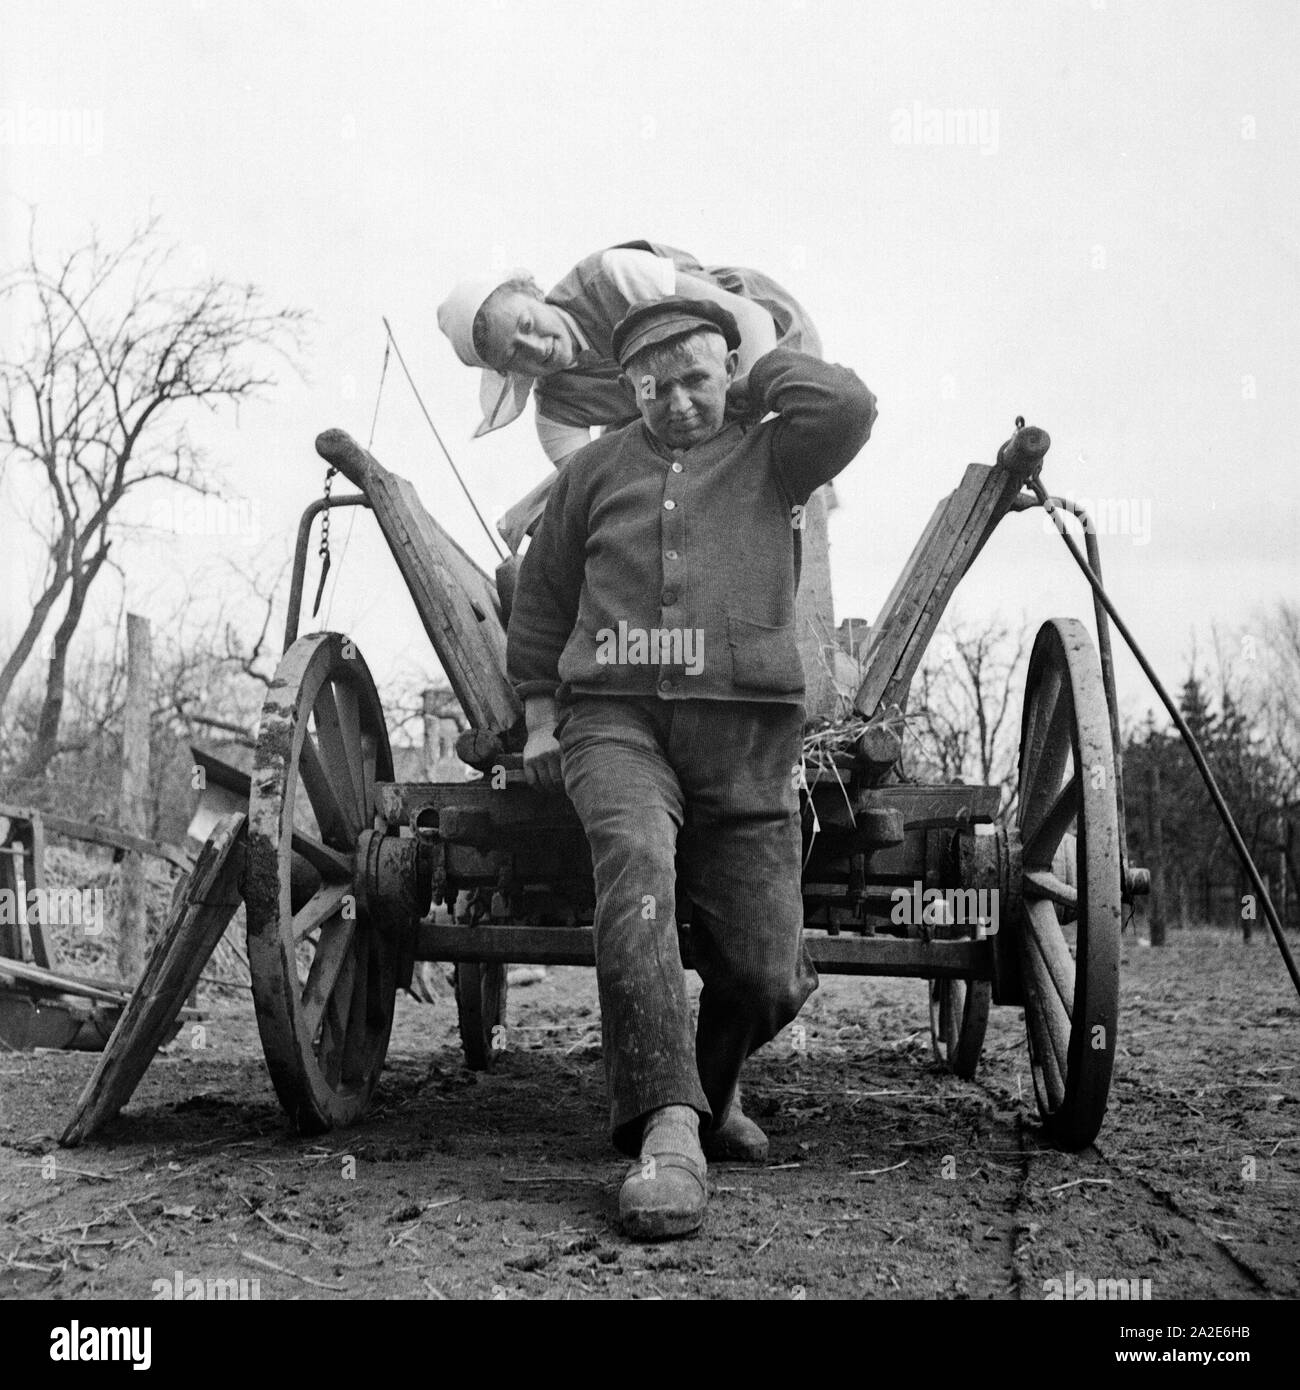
681	388
527	335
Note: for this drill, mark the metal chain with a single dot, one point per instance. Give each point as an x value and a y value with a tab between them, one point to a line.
324	549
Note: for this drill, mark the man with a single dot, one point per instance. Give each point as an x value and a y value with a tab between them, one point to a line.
652	642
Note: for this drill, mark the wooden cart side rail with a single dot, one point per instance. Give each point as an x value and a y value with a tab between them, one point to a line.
119	839
949	545
456	601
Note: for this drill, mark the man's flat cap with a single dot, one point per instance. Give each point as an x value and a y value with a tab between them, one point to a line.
658	320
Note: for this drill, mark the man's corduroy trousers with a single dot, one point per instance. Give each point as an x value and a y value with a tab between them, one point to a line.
698	796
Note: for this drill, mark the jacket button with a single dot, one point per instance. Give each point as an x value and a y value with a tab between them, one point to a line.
677	468
665	687
669	505
670	554
669	597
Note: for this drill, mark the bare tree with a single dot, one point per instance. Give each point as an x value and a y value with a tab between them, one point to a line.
1273	661
95	402
963	704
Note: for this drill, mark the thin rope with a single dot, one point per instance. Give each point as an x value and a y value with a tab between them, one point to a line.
370	444
374	419
496	545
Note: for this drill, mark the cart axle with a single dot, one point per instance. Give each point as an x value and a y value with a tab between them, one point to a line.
832	955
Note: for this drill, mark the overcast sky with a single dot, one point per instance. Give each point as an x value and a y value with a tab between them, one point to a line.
1110	248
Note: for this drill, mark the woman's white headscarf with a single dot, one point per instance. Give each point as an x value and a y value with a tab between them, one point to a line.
502	395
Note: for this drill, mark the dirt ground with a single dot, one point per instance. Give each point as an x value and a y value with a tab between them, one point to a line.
887	1178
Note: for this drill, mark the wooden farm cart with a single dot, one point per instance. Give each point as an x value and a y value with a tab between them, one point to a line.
344	864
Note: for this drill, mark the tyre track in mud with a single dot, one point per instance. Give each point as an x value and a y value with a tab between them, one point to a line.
1030	1265
1123	1194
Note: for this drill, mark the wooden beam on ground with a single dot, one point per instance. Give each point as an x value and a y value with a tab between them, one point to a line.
457	602
58	983
198	919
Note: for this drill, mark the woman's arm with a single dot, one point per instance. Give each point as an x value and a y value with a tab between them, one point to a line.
638	276
757	330
559	441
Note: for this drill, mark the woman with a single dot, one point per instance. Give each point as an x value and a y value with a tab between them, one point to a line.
558	345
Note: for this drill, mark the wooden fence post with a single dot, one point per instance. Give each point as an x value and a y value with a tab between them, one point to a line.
135	797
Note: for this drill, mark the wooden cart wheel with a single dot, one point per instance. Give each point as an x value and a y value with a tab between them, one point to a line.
481	988
959	1018
324	978
481	1008
1068	821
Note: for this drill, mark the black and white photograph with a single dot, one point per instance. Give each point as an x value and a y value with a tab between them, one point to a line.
650	653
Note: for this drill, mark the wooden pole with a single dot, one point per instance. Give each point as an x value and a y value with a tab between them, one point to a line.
815	611
432	751
1156	846
135	796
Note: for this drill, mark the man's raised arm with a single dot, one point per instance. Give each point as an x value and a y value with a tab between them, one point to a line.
826	416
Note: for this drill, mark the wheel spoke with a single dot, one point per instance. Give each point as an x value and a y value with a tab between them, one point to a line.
1045	933
334	812
1050	1075
1041	835
327	862
334	1031
1043	883
345	697
339	731
331	954
956	1000
318	910
1043	702
369	757
353	1061
1049	747
1054	753
1045	1011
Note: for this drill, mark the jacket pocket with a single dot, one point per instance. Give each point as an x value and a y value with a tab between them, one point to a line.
764	658
578	663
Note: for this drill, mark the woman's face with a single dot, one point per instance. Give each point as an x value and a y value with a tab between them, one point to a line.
527	335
